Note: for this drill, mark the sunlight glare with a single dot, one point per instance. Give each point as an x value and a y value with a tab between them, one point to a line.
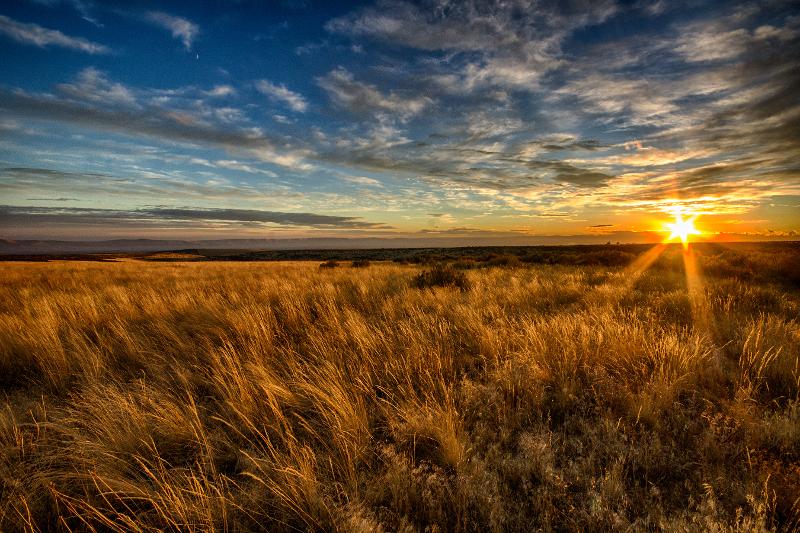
682	229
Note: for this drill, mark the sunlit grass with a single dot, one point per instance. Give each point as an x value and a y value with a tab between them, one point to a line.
282	396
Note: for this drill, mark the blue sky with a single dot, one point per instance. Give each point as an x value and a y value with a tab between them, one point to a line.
478	120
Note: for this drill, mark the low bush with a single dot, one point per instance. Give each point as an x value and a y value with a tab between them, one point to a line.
506	260
442	276
329	264
467	263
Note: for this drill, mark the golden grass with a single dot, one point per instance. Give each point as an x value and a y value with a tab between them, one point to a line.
281	396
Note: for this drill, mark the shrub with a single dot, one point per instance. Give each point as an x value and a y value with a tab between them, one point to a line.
442	276
608	258
467	263
360	263
504	260
331	263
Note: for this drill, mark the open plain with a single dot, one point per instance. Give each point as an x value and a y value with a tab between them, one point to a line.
148	396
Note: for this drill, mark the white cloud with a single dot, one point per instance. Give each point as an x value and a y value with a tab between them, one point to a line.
711	43
363	180
717	40
181	28
42	37
221	91
279	92
243	167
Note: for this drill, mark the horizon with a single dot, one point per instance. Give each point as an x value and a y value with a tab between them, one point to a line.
476	122
21	249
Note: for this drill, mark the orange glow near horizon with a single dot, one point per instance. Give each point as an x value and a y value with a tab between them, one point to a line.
682	229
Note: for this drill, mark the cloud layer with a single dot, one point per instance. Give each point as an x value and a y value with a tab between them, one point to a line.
493	115
28	216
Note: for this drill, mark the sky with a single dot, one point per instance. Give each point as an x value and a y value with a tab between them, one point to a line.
482	121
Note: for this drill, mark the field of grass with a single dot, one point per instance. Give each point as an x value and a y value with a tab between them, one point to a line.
281	396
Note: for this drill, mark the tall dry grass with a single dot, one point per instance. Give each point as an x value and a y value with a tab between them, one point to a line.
285	397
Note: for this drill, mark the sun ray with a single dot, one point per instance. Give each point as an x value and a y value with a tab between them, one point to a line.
698	300
683	229
642	263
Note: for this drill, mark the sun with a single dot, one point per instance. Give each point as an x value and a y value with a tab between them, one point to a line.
682	229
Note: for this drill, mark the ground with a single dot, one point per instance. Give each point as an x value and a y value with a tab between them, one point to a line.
627	393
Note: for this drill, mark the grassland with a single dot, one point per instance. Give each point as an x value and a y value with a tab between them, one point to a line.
280	396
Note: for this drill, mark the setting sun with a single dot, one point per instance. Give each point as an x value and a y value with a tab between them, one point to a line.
682	229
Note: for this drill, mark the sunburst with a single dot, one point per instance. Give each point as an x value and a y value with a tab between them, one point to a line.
682	228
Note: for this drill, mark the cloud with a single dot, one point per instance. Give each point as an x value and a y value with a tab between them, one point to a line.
687	112
43	37
507	43
707	43
27	216
280	93
271	217
716	40
93	86
83	7
469	25
513	112
139	183
59	199
648	157
151	121
220	91
243	167
181	28
619	98
363	180
363	98
582	178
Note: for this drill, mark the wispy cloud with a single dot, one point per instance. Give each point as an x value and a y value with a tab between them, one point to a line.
93	85
360	97
139	183
501	43
280	93
92	101
362	180
170	217
220	91
181	28
36	35
84	7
